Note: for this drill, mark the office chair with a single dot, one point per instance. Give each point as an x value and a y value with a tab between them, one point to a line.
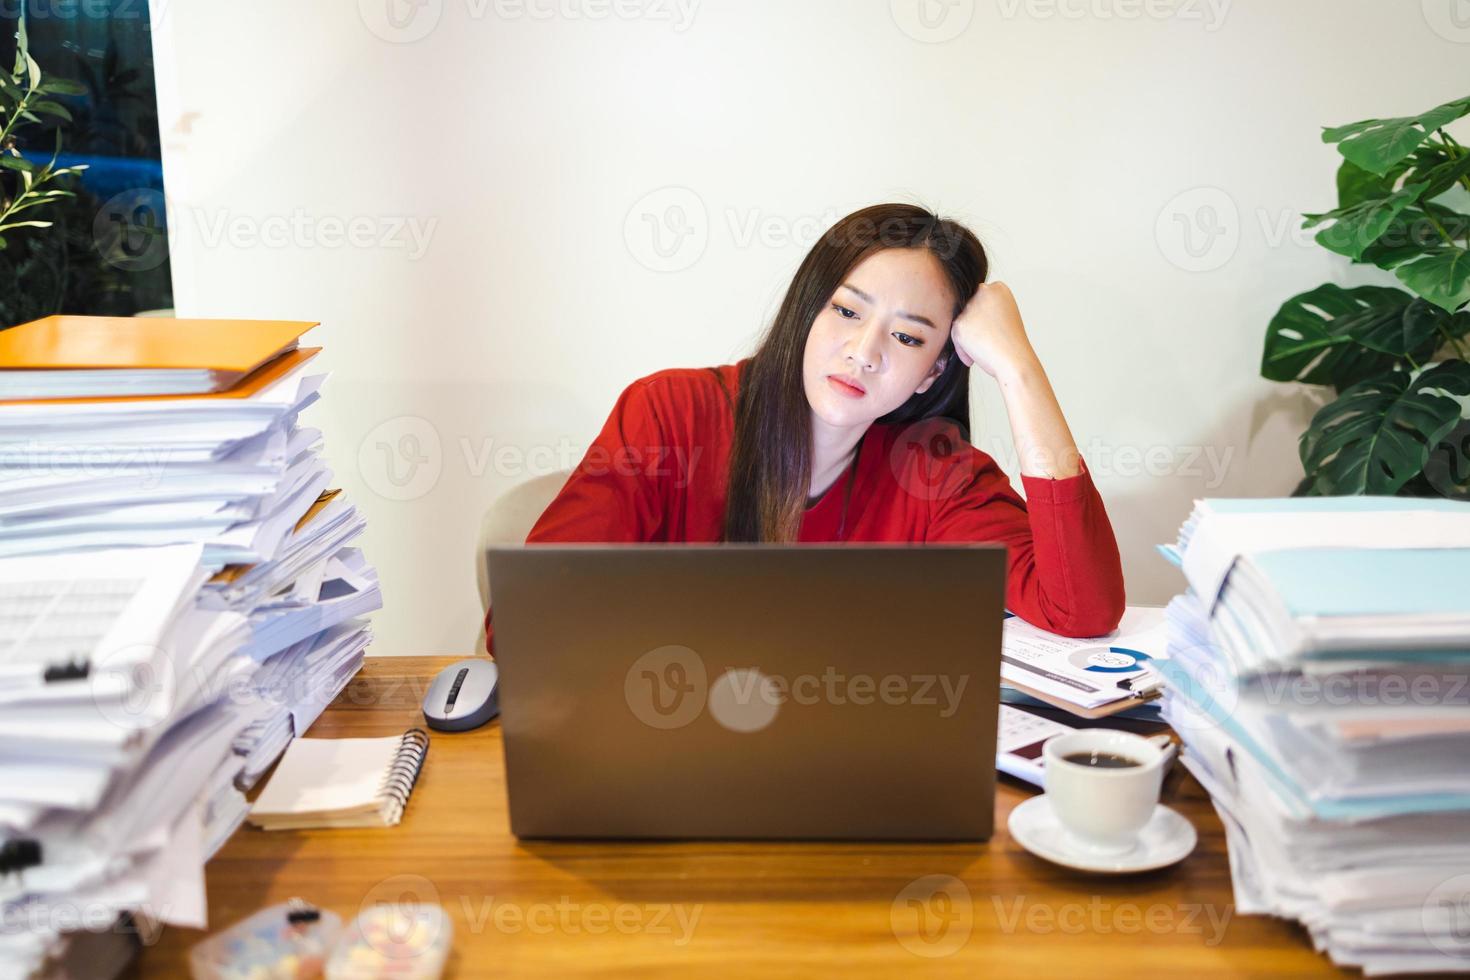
507	520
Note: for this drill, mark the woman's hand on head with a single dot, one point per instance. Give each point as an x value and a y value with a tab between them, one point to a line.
989	333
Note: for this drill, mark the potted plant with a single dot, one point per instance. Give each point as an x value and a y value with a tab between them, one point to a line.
24	97
32	273
1394	356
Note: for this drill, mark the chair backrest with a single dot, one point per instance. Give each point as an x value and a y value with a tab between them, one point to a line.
510	517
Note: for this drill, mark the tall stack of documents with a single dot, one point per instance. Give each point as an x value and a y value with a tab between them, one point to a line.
1317	673
179	598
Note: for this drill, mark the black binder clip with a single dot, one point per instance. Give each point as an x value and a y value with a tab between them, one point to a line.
17	855
76	670
301	911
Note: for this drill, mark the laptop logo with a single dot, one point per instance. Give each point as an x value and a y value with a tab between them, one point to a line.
666	687
744	700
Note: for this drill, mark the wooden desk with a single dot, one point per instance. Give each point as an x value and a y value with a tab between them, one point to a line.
737	909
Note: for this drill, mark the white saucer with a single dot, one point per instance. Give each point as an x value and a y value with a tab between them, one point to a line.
1165	839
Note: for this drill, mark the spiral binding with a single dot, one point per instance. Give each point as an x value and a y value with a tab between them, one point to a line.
398	782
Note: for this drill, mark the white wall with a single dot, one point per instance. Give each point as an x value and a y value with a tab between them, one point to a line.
1079	138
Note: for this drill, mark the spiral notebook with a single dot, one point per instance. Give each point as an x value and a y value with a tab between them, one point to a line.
342	782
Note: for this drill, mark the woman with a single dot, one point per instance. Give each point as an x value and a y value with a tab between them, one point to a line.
849	424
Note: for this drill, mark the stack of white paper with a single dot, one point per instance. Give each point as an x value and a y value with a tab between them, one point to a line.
293	687
1319	675
179	598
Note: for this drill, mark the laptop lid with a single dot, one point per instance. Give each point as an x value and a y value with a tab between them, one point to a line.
749	691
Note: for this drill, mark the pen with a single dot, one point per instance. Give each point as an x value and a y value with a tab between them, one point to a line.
1152	683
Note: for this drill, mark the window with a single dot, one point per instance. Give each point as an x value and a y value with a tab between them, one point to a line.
106	252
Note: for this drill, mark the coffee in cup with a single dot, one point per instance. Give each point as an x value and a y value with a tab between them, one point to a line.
1103	785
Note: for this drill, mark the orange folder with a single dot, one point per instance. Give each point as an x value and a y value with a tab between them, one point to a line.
237	346
257	380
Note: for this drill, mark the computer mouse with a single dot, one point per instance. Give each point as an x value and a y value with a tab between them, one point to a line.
463	696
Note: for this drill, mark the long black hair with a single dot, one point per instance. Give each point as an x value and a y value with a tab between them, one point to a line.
770	460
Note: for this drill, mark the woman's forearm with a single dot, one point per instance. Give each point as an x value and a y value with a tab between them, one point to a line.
989	334
1044	444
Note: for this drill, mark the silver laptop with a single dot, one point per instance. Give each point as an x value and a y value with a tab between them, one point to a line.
749	691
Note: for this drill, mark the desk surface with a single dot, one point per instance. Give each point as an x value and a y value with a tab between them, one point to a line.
731	908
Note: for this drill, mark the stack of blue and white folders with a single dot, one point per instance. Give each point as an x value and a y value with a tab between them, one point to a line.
1317	674
178	599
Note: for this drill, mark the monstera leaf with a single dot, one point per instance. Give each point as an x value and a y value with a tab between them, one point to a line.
1355	227
1376	145
1377	221
1416	334
1441	276
1439	171
1331	335
1356	185
1379	433
1413	232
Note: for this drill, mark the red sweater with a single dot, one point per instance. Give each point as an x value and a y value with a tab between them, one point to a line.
657	472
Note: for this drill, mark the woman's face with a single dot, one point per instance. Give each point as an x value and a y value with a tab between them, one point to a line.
881	331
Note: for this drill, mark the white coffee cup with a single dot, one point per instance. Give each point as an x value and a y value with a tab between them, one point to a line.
1104	809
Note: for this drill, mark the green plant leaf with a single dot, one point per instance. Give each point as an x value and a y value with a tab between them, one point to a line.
22	46
1356	227
1441	276
1310	339
1443	176
63	86
1356	185
1425	158
33	73
52	109
1412	233
1378	434
1458	325
33	201
1377	144
26	224
1413	331
16	163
